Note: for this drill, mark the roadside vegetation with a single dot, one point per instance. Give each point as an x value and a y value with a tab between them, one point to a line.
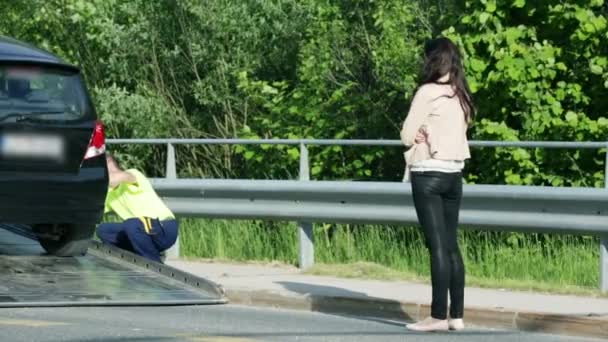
343	69
562	264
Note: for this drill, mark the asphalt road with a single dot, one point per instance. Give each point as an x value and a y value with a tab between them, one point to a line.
222	323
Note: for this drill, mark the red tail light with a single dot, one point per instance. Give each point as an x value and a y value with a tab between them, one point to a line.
97	145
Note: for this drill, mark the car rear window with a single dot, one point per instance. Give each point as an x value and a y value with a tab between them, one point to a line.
40	92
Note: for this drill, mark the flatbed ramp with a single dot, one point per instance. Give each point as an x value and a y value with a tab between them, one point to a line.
106	276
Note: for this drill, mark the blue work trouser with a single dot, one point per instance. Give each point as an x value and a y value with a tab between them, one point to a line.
144	236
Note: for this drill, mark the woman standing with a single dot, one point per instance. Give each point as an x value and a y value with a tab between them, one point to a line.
435	130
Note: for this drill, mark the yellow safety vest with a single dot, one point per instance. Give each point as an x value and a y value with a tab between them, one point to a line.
131	200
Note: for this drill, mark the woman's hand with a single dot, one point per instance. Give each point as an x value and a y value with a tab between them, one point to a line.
421	136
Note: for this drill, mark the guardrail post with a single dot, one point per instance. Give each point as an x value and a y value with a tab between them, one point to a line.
171	173
305	229
170	170
604	241
604	264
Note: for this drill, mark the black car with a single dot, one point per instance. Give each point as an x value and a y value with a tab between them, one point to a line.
53	172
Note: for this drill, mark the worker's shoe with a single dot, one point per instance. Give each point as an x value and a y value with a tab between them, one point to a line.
456	324
429	324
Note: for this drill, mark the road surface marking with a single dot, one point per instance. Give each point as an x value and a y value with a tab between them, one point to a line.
219	339
30	323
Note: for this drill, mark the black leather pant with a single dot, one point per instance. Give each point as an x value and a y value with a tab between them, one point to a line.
437	198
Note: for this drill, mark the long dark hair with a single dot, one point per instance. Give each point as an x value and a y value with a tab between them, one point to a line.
442	57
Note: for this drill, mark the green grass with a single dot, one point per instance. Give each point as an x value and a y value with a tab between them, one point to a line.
563	264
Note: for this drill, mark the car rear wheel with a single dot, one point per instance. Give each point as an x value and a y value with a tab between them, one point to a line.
65	240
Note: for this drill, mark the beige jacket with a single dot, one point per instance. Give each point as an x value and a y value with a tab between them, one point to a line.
445	124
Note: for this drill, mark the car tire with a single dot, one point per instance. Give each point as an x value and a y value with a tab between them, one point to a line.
74	242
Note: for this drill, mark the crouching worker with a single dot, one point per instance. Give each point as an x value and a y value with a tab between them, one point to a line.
148	227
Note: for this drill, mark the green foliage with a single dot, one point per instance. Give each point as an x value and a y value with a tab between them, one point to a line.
141	115
538	73
180	59
332	69
492	257
353	70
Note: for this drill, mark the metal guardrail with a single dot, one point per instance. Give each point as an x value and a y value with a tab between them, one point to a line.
531	209
581	211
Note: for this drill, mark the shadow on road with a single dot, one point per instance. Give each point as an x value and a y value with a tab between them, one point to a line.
358	305
335	300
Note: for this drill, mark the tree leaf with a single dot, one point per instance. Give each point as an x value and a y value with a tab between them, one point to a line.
477	65
483	17
519	3
596	69
571	117
294	153
491	6
249	154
